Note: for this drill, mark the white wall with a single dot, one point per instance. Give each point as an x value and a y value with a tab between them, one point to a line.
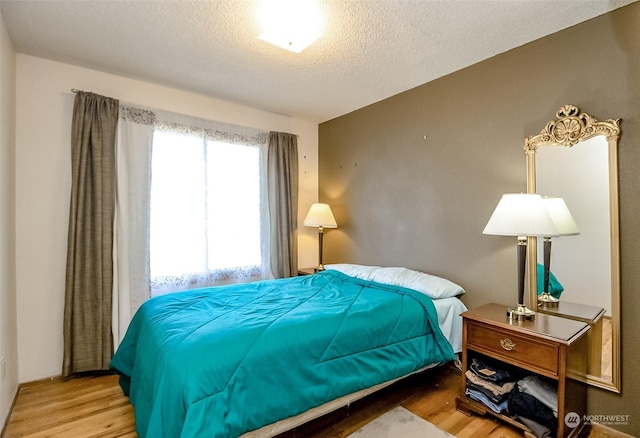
43	184
8	329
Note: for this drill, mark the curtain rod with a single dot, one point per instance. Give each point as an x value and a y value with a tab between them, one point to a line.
75	91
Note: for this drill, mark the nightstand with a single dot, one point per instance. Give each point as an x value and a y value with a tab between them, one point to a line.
307	271
548	346
591	315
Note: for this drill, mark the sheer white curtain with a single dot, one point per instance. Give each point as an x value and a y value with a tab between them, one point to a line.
209	215
131	229
140	132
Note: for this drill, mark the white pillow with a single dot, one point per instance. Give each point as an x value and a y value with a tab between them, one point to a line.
359	271
430	285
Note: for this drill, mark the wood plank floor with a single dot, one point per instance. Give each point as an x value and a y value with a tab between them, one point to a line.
430	395
94	406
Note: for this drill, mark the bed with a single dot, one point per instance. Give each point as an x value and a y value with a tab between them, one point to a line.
228	360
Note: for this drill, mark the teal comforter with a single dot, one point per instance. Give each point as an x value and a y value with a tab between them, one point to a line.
221	361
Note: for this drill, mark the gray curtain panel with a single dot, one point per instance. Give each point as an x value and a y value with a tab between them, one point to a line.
88	342
282	165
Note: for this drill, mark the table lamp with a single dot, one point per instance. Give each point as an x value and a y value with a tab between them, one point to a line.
520	215
320	216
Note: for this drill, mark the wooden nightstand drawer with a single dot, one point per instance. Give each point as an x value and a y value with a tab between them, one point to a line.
547	346
525	352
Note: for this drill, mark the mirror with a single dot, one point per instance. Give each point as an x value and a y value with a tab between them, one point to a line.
575	157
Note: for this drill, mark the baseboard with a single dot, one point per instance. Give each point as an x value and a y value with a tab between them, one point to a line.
601	431
40	382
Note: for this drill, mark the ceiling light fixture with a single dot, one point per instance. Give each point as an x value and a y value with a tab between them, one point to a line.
290	24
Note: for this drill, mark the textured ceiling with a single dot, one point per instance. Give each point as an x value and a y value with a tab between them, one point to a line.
369	50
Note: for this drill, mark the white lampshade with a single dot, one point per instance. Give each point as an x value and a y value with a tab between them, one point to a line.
320	215
520	214
561	217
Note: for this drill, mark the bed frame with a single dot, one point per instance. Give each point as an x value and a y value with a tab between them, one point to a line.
273	429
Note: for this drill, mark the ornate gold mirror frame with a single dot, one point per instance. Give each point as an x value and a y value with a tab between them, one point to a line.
570	128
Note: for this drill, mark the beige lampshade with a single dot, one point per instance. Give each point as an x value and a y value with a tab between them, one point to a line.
320	215
521	214
561	216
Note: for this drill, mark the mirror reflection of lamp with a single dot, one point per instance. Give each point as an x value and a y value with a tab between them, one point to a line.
520	215
320	216
565	226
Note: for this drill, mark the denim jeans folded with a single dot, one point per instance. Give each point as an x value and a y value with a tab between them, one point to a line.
489	372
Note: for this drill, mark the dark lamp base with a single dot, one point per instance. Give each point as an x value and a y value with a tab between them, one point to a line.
521	313
547	300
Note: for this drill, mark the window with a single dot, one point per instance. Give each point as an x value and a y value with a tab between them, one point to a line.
206	211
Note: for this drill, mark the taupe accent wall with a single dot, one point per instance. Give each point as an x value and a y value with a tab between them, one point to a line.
413	179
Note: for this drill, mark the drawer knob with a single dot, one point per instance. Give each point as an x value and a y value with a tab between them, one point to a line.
507	344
